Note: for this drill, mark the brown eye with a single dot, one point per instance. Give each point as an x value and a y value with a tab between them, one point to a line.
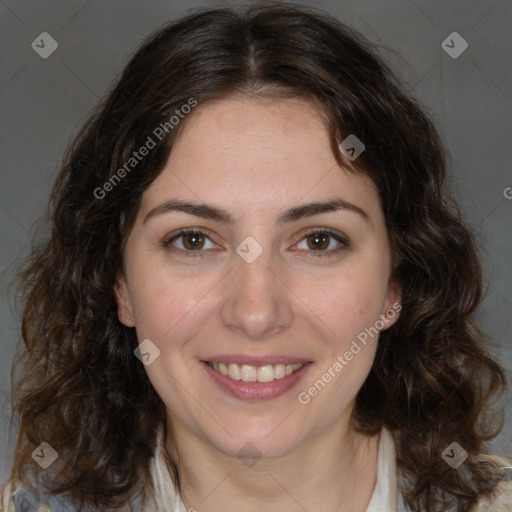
193	240
318	241
323	243
189	242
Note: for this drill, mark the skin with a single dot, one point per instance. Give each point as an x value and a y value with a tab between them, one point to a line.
256	158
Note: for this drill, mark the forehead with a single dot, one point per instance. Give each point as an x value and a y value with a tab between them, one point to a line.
253	129
255	153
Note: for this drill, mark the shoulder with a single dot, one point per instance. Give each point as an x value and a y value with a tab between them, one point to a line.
24	501
17	498
501	500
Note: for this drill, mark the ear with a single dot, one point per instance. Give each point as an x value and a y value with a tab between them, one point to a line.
124	304
392	304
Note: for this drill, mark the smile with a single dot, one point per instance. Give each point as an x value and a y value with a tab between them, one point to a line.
248	373
252	383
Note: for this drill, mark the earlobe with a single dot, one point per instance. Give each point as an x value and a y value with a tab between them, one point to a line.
124	305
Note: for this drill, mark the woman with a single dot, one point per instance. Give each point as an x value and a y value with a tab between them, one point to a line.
258	291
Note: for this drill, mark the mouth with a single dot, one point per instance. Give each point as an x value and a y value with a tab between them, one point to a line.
255	382
249	373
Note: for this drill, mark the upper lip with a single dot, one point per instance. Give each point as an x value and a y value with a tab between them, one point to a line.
252	360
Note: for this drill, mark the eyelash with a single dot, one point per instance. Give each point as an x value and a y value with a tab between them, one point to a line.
316	254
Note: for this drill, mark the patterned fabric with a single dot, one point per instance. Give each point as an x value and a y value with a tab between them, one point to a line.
24	501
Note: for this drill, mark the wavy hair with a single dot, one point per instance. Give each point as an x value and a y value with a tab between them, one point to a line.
81	389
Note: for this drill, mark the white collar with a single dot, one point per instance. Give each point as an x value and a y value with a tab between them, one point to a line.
385	492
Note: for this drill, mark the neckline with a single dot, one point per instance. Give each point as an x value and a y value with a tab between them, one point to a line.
385	493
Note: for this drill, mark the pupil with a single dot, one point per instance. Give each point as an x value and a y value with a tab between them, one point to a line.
321	239
193	240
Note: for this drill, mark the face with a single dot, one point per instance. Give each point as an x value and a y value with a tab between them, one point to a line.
285	268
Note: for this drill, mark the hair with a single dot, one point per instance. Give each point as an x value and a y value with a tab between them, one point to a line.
81	389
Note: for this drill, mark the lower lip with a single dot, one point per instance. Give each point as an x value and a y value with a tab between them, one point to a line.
256	390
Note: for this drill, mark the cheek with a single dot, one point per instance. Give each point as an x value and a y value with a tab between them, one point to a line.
167	306
350	307
349	302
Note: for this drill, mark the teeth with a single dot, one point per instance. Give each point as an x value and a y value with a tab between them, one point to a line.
248	373
279	371
234	371
266	373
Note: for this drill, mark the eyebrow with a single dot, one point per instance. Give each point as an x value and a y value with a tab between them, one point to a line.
290	215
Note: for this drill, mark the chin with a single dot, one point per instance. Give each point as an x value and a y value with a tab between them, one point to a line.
271	440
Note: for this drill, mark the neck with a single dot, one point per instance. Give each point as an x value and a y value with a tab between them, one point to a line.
334	472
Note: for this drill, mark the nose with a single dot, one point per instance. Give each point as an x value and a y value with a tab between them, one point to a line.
257	301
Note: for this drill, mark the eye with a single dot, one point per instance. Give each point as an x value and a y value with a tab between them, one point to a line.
319	243
188	241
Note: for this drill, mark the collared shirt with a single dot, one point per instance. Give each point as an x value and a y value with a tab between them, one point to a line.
385	493
386	496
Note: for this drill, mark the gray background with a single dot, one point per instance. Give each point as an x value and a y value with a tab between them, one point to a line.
43	102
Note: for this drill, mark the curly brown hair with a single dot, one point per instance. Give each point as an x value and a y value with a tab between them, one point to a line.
80	387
